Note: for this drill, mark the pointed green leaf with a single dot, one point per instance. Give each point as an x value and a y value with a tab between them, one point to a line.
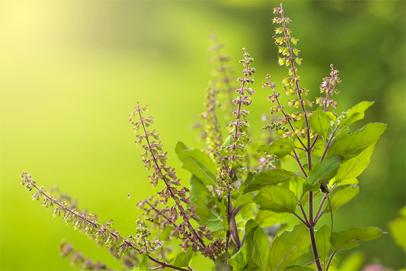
268	177
254	253
337	183
357	112
280	147
277	199
258	250
351	145
239	260
198	163
199	196
320	122
297	187
269	219
202	200
288	247
342	196
183	258
351	238
324	171
243	200
353	167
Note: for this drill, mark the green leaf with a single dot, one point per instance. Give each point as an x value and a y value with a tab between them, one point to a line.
239	260
198	163
357	112
269	219
254	253
280	147
243	200
323	243
397	229
199	197
288	247
351	238
320	122
277	199
297	187
258	250
338	183
183	258
202	200
353	167
351	145
324	171
342	196
268	177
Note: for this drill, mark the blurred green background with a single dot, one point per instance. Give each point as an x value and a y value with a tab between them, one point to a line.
71	71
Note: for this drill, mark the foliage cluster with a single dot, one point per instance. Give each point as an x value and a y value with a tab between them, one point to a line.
244	209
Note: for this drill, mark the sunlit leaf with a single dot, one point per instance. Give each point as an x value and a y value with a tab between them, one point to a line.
258	249
276	199
320	122
268	177
297	187
202	200
351	145
268	218
353	237
288	247
183	258
279	147
323	171
342	196
357	112
243	199
254	253
198	163
239	260
353	167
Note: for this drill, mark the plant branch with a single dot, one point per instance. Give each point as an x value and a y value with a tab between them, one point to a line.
97	227
301	220
319	211
169	187
314	248
169	221
328	144
330	260
308	148
296	157
289	122
303	213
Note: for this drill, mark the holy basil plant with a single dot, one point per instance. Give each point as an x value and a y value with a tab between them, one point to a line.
252	203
